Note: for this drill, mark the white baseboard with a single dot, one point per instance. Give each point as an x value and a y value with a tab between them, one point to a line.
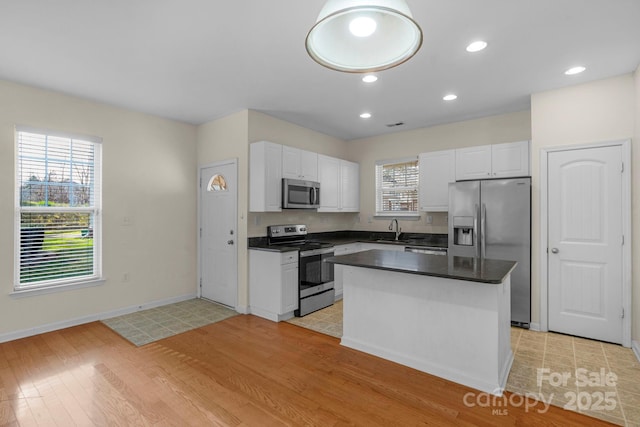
534	327
635	346
49	327
464	377
242	309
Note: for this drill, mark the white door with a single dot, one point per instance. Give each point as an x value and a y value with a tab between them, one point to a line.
585	242
218	243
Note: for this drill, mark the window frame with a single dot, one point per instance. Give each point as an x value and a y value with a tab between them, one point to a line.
51	285
397	214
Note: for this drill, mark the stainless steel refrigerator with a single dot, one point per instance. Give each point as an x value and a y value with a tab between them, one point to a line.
492	219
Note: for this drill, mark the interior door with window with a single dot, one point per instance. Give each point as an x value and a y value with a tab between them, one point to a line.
218	241
585	242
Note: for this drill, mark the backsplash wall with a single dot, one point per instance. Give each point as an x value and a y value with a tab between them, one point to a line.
316	222
322	222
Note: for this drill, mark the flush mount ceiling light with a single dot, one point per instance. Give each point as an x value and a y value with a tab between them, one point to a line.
450	97
365	115
360	36
369	78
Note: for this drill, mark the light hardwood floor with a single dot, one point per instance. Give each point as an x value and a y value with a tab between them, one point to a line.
242	371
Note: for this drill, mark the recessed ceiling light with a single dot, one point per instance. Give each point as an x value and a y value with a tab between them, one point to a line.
369	78
574	70
450	97
476	46
365	115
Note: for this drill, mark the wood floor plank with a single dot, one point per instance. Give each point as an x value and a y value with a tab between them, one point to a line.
243	371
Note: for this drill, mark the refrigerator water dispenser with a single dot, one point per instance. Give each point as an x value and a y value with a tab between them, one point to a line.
463	231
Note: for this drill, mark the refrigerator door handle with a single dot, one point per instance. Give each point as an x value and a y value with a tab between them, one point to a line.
483	229
475	230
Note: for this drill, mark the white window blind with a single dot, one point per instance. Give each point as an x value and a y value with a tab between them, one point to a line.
58	201
397	187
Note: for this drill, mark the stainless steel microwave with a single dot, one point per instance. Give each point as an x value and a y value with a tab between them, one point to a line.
298	194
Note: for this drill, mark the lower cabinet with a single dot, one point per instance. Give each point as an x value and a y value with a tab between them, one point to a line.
337	271
353	248
273	284
383	246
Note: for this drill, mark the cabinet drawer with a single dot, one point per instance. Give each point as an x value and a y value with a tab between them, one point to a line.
288	257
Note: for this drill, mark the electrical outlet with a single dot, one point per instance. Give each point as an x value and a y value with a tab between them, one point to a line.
429	219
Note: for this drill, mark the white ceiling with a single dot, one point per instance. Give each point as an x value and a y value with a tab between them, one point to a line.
199	60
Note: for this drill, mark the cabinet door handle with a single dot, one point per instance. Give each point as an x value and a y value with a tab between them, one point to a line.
554	250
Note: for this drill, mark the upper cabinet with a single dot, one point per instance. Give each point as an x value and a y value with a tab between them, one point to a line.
265	177
510	160
473	163
299	164
339	185
493	161
350	186
437	169
270	162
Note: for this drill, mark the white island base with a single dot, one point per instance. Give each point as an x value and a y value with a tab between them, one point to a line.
455	329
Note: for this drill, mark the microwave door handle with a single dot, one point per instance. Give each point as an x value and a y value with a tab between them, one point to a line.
312	195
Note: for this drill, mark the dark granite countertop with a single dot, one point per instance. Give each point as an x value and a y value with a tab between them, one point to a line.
347	237
450	267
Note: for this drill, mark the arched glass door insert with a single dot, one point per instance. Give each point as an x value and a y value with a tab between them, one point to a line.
217	183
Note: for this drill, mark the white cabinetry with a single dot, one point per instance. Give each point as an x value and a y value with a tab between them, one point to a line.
437	170
273	284
510	160
329	178
493	161
299	164
382	246
337	272
265	177
339	185
473	163
350	186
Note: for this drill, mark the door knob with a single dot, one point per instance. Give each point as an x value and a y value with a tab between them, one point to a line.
554	250
229	242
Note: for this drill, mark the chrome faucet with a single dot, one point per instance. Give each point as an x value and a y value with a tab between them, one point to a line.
398	229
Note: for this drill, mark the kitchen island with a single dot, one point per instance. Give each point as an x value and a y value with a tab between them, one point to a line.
444	315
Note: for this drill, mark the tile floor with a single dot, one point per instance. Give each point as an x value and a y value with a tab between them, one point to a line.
146	326
567	371
541	359
327	321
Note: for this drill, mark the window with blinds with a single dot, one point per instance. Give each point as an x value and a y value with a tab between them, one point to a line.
397	187
58	203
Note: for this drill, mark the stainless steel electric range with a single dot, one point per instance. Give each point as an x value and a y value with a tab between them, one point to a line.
315	276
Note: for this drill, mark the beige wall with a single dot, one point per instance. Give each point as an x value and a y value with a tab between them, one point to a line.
635	218
148	176
226	139
604	110
489	130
